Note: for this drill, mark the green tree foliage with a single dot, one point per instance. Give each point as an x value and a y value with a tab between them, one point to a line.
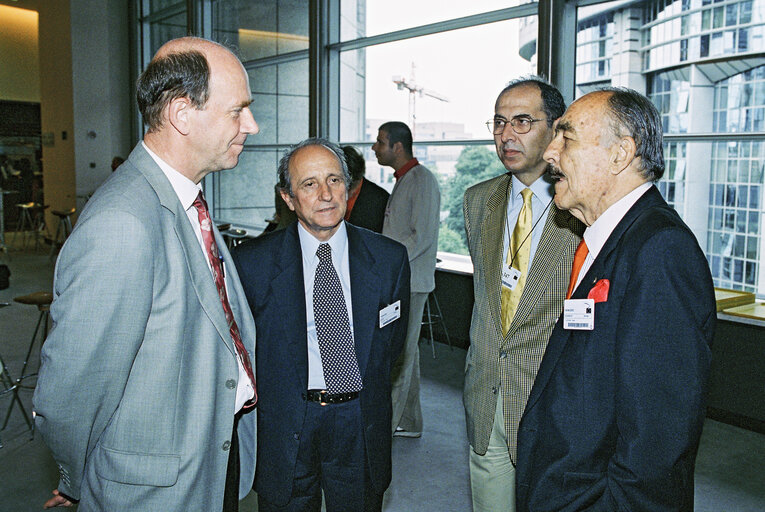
475	164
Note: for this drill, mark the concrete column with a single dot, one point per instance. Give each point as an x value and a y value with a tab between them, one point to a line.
626	66
698	155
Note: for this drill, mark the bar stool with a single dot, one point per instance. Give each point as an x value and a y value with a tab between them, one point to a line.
43	301
9	385
430	318
25	222
63	229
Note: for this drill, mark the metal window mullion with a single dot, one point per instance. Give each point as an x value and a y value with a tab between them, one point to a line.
520	11
167	12
556	45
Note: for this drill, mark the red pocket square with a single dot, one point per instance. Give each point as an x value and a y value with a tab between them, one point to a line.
599	292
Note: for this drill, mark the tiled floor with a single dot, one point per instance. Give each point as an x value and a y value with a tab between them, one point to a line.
429	474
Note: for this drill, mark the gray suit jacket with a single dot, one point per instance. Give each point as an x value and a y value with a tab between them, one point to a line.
510	362
135	396
412	218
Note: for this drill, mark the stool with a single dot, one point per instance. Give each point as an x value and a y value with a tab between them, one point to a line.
429	318
63	229
26	222
42	300
9	385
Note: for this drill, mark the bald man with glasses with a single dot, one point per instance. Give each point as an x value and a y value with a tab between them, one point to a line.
522	249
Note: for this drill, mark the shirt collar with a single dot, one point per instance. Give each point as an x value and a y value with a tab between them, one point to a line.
541	189
595	236
309	243
186	190
405	169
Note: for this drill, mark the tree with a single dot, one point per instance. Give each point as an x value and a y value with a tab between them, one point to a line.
475	164
450	241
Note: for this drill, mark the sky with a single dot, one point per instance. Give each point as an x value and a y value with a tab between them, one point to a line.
468	66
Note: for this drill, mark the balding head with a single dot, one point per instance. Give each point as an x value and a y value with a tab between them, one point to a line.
181	68
195	97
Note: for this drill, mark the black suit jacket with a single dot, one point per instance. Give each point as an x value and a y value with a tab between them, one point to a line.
615	415
271	270
369	209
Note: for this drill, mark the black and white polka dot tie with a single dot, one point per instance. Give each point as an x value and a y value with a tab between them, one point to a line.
338	357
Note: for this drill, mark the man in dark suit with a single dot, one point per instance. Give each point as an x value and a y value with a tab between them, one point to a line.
366	200
330	303
615	415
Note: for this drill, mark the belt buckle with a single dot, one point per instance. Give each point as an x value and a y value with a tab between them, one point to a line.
322	394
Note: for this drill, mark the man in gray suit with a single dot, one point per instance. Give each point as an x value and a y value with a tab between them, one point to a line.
522	249
411	218
150	357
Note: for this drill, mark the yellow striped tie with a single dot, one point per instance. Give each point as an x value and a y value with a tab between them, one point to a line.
520	247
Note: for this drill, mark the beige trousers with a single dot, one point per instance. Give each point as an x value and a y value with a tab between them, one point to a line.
492	476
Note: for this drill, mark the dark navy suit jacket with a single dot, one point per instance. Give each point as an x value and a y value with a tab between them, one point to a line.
271	270
615	415
369	209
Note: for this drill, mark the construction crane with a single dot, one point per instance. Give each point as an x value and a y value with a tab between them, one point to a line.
414	90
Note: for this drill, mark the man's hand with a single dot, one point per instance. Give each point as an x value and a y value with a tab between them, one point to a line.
57	501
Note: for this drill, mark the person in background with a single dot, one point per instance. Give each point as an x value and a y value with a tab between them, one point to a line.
116	162
412	218
366	200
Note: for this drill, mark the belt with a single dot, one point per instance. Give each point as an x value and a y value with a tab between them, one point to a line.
324	397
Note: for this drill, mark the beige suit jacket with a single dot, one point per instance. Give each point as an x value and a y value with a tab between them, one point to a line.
509	363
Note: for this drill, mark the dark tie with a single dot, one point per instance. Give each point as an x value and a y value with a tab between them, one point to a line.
338	358
217	271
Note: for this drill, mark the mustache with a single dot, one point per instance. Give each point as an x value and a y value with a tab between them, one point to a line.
511	146
554	172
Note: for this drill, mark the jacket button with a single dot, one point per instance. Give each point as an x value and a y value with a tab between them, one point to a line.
296	435
230	383
226	445
494	389
502	355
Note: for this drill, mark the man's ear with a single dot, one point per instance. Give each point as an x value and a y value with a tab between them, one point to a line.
622	154
179	115
287	199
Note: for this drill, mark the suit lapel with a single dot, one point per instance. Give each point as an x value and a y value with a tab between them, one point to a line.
549	252
652	197
365	296
288	292
599	269
492	237
199	272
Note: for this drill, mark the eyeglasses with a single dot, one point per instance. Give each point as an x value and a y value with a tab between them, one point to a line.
520	125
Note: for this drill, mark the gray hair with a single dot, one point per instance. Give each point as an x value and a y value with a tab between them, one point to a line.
283	172
632	112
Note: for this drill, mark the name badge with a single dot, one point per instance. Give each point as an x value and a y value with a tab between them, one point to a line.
579	314
390	313
510	276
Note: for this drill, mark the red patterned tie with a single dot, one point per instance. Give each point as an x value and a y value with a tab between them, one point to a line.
217	271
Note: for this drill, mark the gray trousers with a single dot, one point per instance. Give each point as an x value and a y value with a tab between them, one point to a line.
405	388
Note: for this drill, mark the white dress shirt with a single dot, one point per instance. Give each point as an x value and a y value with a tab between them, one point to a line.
308	246
595	236
187	192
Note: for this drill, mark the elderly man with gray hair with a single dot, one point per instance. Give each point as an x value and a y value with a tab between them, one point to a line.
330	302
